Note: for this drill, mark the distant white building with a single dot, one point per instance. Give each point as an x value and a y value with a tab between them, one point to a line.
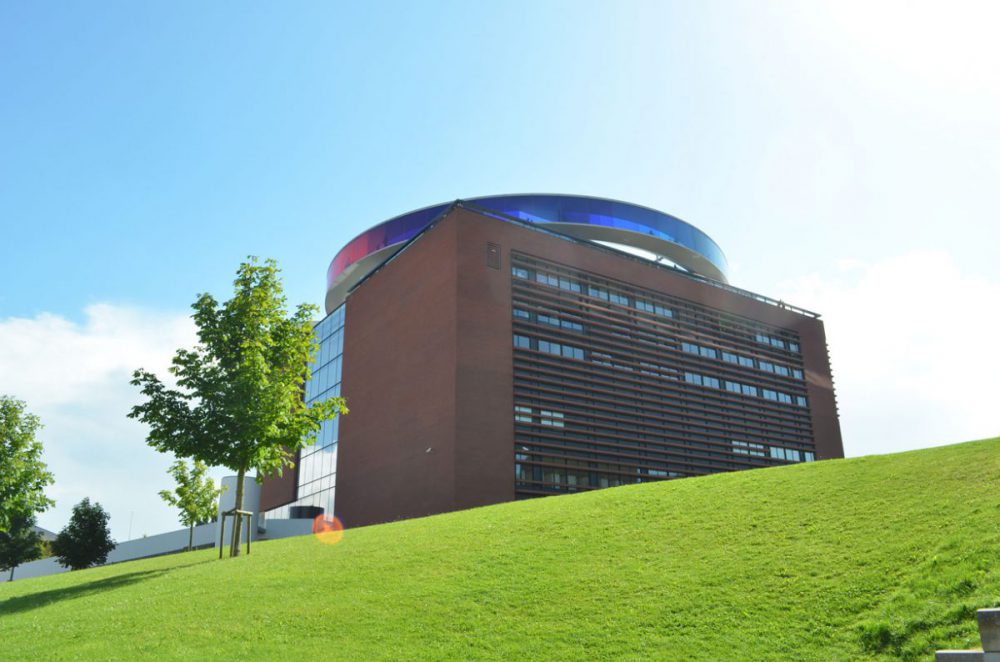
205	535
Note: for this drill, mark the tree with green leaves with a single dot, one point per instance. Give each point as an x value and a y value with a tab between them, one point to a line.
22	543
23	475
86	540
238	401
195	495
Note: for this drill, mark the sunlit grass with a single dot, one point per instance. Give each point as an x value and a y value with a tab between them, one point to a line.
855	559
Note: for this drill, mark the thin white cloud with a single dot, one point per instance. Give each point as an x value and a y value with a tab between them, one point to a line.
75	377
912	342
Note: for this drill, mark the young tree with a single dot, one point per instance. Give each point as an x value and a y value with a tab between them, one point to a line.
86	540
20	544
195	495
23	475
239	398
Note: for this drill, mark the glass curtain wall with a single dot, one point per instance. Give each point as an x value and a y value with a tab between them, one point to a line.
317	469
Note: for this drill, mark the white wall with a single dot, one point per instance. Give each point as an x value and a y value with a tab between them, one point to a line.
176	541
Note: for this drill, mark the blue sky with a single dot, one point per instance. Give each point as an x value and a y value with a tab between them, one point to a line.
845	157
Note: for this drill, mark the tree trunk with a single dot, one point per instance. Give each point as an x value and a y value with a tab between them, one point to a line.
191	537
234	547
12	573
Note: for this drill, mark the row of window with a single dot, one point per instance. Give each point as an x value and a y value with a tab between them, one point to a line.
740	360
776	452
604	294
555	419
744	389
791	455
654	308
698	350
562	283
749	448
701	380
607	295
548	347
780	343
571	352
691	348
551	320
611	296
739	447
575	453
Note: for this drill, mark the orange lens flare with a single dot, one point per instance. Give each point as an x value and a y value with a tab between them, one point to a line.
328	529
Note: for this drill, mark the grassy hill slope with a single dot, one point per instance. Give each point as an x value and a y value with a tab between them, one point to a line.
884	556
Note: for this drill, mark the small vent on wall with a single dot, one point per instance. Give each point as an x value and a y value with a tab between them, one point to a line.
493	255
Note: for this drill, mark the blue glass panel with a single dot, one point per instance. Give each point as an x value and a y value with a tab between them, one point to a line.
540	209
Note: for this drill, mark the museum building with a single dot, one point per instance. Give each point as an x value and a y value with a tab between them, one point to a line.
518	346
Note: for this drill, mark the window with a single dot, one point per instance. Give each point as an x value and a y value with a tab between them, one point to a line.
654	308
781	370
520	273
767	366
749	390
730	358
793	347
559	349
522	314
733	387
560	323
522	414
810	457
567	284
553	419
546	279
522	342
597	292
770	395
800	401
620	299
749	448
765	339
706	352
701	380
787	454
655	370
796	373
746	362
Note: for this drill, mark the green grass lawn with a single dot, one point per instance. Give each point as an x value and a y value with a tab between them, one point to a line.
868	558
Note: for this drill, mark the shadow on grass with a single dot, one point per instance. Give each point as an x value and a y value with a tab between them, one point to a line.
45	598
